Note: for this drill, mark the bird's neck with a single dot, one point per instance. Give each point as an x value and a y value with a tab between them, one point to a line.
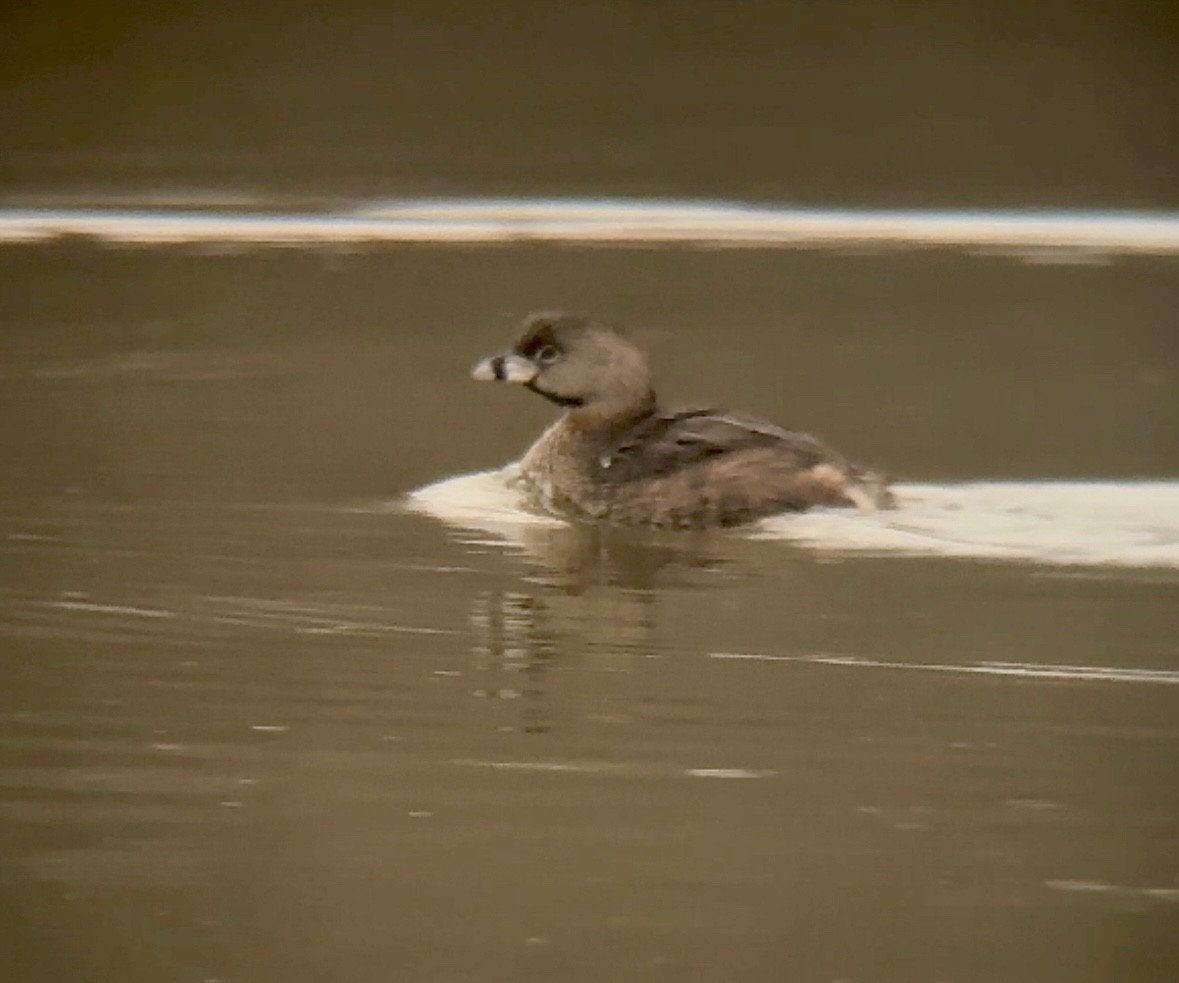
609	416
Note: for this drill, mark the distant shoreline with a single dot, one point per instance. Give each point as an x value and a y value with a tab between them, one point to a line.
621	222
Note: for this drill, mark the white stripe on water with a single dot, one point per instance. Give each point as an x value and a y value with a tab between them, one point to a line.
1024	670
612	221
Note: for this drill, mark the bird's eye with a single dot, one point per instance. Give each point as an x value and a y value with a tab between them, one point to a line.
548	354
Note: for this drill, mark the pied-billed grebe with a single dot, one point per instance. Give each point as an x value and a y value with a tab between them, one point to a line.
616	455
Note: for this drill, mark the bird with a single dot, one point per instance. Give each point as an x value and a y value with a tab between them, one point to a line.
616	455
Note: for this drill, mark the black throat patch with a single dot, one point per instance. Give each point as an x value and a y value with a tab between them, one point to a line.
565	401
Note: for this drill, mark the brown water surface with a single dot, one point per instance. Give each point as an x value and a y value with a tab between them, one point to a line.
260	722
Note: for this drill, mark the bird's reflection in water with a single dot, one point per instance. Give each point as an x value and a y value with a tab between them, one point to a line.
587	601
512	652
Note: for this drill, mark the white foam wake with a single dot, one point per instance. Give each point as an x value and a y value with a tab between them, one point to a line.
1084	523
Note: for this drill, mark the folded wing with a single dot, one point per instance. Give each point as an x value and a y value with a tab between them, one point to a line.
665	443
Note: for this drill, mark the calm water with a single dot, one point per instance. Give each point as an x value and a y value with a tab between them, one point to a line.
265	716
261	721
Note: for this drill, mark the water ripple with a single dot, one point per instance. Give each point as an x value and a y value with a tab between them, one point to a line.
1021	669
